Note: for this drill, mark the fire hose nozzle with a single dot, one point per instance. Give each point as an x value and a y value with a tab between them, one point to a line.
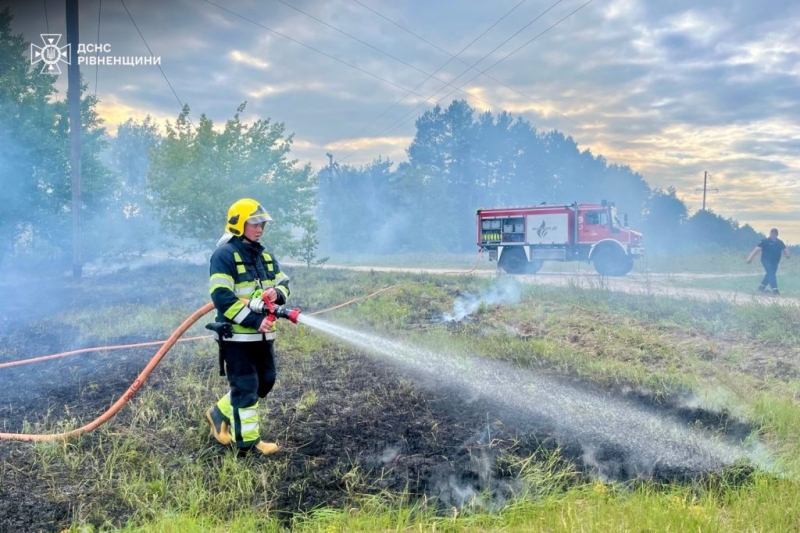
291	314
277	311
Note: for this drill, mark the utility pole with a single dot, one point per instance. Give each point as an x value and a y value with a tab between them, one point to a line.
325	227
705	188
330	162
74	106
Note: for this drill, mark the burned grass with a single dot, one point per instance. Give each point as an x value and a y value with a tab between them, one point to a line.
352	427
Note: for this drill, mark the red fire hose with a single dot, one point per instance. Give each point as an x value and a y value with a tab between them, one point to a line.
291	314
194	317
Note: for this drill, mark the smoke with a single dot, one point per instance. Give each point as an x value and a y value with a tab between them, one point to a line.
390	230
390	454
106	265
473	482
17	185
505	290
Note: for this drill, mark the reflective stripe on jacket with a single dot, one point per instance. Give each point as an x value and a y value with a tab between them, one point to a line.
240	269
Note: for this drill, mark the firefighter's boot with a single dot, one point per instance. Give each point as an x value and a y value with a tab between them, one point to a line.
259	449
220	425
265	448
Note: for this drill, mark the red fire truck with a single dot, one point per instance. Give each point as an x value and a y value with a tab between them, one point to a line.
521	239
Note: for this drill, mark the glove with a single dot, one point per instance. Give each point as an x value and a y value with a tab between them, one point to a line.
266	325
257	305
270	294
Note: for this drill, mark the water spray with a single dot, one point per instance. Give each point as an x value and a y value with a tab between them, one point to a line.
614	437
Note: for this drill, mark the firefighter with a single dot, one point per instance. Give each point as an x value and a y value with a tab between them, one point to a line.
242	274
771	249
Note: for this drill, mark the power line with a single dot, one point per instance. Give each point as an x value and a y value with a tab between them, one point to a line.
329	56
164	74
46	18
412	91
519	48
399	122
152	55
422	104
452	57
531	40
516	50
429	76
464	62
423	39
188	119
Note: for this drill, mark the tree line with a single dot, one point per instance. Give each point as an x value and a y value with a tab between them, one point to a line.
143	188
460	160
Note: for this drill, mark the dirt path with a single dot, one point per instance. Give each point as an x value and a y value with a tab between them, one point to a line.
657	284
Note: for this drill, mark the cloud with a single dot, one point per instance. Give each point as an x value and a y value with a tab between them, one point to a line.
366	142
115	112
672	89
238	56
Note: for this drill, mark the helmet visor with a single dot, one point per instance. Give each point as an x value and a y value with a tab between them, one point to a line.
258	216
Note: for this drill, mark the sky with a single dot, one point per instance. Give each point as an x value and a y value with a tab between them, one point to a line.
674	89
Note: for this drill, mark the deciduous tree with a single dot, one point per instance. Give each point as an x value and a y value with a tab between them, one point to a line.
197	172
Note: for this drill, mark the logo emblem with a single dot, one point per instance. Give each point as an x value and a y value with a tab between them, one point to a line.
544	229
541	231
50	54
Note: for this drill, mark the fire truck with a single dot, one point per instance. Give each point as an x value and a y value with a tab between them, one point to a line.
521	239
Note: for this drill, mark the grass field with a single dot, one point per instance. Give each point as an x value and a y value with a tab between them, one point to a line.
373	445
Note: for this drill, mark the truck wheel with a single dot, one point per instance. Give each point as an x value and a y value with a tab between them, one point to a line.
513	261
535	266
626	266
610	261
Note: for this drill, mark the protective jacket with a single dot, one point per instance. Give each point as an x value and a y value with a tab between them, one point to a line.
244	269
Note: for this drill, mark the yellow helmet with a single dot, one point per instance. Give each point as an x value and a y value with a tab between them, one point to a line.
245	210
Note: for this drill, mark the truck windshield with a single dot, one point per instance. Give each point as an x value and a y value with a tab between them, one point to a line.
596	218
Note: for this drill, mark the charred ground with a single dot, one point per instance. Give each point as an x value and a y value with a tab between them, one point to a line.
370	428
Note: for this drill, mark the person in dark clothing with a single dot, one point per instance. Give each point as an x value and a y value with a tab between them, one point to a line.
242	274
771	249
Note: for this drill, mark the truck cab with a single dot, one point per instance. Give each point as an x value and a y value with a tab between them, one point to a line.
604	238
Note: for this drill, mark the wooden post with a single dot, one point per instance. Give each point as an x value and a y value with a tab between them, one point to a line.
74	106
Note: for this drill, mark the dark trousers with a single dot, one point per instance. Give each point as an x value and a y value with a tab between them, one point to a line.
770	278
251	371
